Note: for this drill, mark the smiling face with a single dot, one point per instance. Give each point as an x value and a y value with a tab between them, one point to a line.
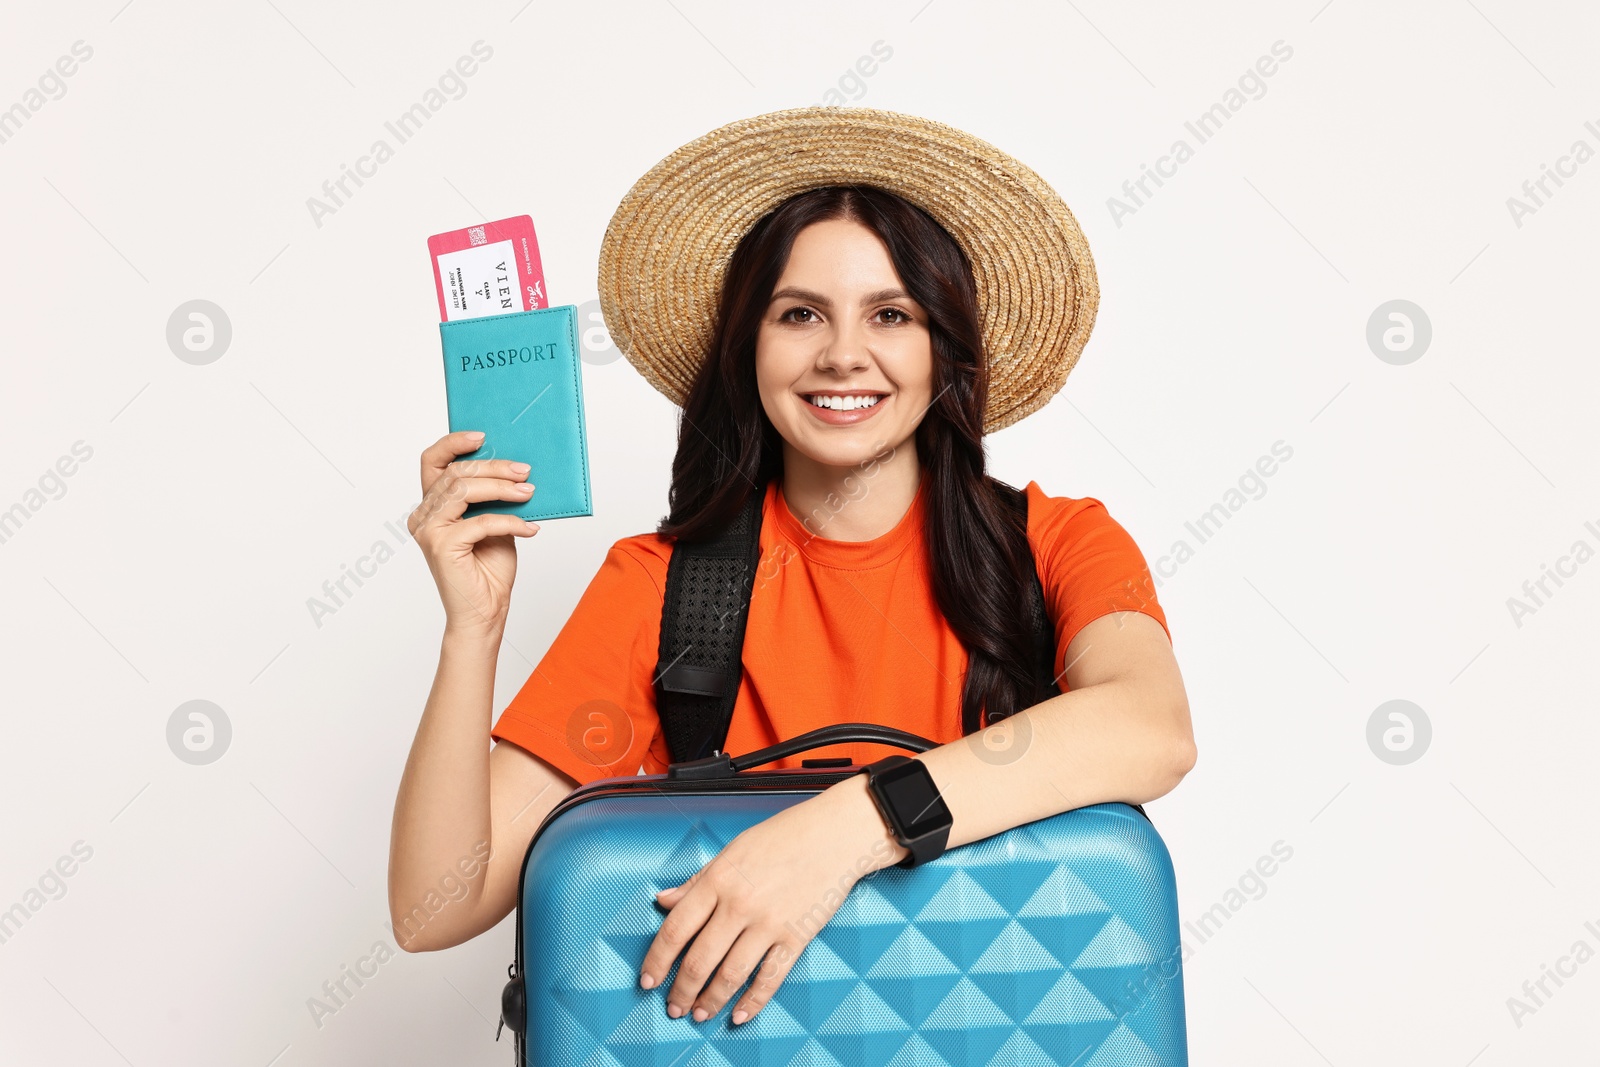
844	360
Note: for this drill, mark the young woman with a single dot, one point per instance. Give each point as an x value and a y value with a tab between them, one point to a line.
849	378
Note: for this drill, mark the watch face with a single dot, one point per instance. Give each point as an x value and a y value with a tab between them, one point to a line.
910	792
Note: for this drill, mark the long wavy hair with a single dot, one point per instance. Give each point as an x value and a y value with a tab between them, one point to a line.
976	543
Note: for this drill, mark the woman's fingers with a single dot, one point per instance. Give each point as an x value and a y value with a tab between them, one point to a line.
710	948
774	969
669	897
685	919
473	561
447	500
471	531
439	455
741	960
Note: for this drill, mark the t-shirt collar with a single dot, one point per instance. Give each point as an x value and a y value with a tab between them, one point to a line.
810	538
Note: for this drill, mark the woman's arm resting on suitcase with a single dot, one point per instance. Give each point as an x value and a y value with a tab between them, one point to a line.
1120	732
465	813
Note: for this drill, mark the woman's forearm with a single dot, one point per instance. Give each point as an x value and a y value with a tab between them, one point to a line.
1102	743
1111	741
442	810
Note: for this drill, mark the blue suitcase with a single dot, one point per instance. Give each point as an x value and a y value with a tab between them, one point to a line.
1054	943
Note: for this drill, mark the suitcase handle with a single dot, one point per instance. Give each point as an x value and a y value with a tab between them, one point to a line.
722	765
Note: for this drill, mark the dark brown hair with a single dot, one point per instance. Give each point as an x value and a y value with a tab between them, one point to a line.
727	447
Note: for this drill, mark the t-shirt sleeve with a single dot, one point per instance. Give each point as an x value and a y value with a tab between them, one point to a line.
589	707
1088	564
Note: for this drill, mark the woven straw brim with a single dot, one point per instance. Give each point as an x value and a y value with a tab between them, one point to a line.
667	247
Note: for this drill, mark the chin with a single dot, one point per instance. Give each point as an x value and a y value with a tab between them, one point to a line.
861	449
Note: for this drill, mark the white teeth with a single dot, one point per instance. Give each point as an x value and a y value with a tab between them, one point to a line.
844	403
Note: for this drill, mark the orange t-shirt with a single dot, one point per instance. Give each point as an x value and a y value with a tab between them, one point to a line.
839	631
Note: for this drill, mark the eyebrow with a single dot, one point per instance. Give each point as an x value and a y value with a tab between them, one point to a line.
817	298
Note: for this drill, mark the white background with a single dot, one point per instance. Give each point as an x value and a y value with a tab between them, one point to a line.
1377	564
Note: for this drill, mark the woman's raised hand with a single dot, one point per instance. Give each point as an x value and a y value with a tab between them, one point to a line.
474	561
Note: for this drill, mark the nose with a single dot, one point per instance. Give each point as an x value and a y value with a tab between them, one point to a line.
845	349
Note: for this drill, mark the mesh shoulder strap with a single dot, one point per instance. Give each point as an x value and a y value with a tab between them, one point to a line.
703	615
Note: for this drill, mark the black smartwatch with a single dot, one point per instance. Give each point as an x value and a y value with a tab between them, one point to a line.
910	803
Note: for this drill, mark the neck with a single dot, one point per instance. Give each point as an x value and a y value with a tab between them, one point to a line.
862	501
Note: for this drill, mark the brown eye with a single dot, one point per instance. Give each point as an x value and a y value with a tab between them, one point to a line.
793	311
903	317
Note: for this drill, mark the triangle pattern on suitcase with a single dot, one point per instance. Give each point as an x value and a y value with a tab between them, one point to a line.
811	1054
999	954
704	1056
588	990
1124	1049
760	1042
912	976
967	1027
821	983
917	1053
962	920
1020	1050
1016	972
863	1028
698	846
648	1037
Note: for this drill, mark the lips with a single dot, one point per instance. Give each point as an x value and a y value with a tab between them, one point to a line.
844	409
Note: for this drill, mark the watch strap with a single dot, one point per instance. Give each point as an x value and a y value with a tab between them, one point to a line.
930	846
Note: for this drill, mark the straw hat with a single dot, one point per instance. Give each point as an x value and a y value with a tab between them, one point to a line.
668	245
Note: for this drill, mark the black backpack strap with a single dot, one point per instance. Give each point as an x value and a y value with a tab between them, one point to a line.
703	615
1044	634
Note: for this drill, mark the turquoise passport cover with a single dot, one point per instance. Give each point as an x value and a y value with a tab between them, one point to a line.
518	378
